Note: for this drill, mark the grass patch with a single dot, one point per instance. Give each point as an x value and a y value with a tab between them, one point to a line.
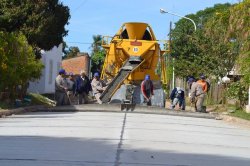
37	99
241	114
30	99
5	105
234	111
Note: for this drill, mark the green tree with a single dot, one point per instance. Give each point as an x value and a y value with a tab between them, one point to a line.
223	49
192	50
97	54
71	52
41	21
230	29
239	29
238	90
17	62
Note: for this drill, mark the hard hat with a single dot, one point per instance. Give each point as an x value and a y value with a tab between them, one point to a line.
96	74
190	80
202	76
62	71
147	77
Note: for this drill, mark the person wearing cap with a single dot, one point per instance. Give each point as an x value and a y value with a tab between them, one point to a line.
97	87
83	87
203	83
61	88
71	88
177	96
147	90
197	95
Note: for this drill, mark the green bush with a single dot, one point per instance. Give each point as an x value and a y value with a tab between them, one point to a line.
238	91
17	62
241	114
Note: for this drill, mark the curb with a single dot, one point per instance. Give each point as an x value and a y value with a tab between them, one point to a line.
117	108
106	108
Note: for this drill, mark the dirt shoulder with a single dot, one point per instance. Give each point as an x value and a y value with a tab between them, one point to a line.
236	121
225	117
3	110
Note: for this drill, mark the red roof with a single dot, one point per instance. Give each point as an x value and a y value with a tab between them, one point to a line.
76	64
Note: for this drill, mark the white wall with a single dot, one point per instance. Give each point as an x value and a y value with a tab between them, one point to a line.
248	106
52	62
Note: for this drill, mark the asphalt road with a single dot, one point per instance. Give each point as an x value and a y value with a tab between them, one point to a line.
120	139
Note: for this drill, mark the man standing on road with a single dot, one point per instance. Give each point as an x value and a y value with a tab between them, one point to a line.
83	87
98	87
197	95
71	88
61	88
147	90
202	81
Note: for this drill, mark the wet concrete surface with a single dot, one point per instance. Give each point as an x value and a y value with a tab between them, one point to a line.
120	139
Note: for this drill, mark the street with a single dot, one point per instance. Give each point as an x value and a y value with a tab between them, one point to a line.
120	139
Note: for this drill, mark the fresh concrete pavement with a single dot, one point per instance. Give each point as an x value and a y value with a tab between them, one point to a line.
120	139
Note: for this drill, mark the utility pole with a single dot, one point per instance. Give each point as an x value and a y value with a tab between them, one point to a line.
170	40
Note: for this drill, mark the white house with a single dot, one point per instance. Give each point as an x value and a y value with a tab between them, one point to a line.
248	106
52	62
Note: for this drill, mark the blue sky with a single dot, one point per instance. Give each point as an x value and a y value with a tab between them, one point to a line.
104	17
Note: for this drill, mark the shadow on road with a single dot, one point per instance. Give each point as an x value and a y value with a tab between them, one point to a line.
57	151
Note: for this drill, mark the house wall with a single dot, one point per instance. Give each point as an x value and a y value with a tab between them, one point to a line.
52	63
76	64
38	86
248	106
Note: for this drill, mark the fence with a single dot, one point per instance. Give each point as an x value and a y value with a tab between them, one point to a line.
214	96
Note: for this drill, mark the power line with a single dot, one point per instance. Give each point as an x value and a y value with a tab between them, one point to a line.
79	42
79	6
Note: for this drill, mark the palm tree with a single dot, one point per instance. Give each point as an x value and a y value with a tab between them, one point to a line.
96	45
98	54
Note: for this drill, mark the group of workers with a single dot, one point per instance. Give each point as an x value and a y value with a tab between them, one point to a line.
197	92
71	89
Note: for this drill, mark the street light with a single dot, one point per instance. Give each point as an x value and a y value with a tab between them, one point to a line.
163	12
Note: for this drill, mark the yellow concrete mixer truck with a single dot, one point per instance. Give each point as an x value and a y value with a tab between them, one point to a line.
132	53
